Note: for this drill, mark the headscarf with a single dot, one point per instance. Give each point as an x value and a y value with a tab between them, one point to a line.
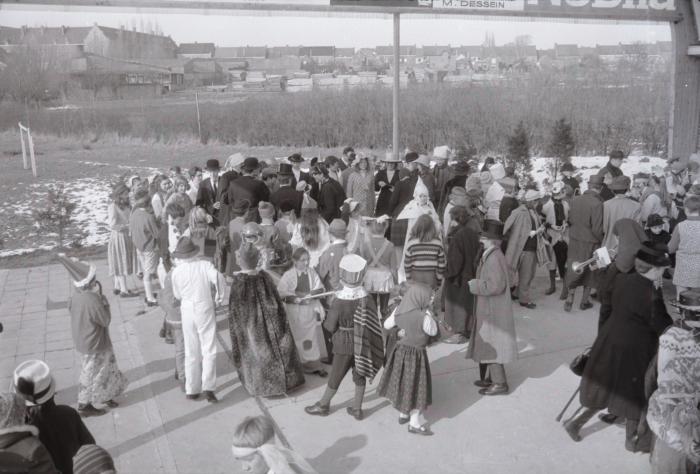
12	410
277	458
630	236
417	297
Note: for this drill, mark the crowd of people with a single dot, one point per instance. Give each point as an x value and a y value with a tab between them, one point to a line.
358	264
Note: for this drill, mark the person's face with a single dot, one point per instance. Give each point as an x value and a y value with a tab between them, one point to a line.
166	185
318	178
616	162
656	230
423	199
296	165
411	166
253	464
302	264
363	165
334	167
197	178
181	188
390	166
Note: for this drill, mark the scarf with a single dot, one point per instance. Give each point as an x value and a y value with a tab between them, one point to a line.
277	458
368	344
630	236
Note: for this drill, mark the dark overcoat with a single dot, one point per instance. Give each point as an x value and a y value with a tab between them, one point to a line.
262	345
614	375
384	197
462	253
585	235
247	187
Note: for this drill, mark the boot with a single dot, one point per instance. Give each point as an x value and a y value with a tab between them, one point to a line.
574	424
356	409
585	299
552	283
484	377
564	291
569	300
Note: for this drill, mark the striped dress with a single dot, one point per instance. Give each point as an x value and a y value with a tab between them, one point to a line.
425	262
120	250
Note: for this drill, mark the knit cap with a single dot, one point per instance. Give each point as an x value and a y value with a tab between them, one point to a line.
92	459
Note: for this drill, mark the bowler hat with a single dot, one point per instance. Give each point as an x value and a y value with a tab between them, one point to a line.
689	299
285	169
295	158
654	219
492	229
185	248
620	183
213	165
653	256
250	164
410	156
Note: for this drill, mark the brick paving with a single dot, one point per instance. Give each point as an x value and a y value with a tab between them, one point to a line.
156	430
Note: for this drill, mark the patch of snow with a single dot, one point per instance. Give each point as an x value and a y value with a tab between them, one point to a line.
15	252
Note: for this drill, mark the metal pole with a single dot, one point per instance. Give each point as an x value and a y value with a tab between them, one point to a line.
199	123
397	84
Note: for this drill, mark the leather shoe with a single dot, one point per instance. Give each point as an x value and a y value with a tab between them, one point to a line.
321	373
421	430
608	418
193	396
89	410
318	409
111	404
529	305
404	419
209	395
495	389
551	290
585	305
357	414
483	383
568	305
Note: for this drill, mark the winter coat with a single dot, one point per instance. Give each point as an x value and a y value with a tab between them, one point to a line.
619	207
330	199
247	187
384	197
492	337
586	218
614	172
517	228
22	452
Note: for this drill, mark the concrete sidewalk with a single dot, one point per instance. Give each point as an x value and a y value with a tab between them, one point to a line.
157	430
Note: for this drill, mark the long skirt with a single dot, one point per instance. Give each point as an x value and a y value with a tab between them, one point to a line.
100	378
406	380
121	254
303	323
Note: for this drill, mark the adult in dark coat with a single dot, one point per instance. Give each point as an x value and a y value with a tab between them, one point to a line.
298	175
585	236
331	195
609	172
567	172
385	182
222	196
286	191
263	348
208	193
461	173
613	377
462	254
402	195
249	187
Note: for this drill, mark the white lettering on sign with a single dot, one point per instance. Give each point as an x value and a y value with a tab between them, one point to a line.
669	5
509	5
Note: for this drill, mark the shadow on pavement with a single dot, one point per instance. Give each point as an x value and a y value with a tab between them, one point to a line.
337	459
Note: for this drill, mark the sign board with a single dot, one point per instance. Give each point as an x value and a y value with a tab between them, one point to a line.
382	3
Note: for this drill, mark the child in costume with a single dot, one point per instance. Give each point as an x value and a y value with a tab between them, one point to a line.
357	337
382	264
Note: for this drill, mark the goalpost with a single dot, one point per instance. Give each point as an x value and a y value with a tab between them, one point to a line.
30	144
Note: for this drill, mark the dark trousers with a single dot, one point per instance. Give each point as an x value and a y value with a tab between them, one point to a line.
341	364
561	249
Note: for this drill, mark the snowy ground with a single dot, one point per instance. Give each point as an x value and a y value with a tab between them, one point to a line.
91	195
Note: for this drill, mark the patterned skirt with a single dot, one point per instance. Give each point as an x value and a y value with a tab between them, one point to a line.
121	254
378	280
406	380
100	378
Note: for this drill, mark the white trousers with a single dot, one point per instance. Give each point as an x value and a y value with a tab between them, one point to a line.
199	331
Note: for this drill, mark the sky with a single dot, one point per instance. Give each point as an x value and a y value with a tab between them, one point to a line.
225	29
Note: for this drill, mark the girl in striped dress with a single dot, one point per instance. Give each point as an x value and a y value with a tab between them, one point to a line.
120	250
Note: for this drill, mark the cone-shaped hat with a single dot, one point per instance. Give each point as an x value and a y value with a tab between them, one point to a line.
82	273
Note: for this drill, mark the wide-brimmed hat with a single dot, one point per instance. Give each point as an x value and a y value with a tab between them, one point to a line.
620	183
492	229
338	228
32	380
389	158
423	160
295	158
441	152
250	164
212	165
186	248
82	273
497	171
653	256
654	219
352	269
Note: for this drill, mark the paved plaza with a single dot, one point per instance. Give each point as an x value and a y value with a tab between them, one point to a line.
156	430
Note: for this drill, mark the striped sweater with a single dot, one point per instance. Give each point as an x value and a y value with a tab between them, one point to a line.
425	262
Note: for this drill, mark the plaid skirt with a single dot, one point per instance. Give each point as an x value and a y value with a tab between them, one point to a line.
406	380
100	378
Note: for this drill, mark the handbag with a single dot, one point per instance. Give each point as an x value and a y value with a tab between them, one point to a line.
578	365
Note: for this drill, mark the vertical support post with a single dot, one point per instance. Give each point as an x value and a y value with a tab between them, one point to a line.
199	123
397	85
685	93
24	148
31	152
